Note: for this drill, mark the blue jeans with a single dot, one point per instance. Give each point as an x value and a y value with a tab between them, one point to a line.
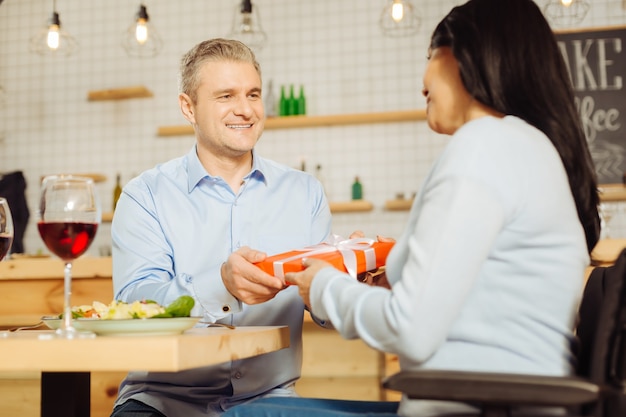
134	408
312	407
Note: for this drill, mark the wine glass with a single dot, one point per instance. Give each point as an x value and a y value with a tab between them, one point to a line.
6	228
69	215
606	213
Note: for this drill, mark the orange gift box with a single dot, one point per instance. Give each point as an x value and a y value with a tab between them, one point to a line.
353	256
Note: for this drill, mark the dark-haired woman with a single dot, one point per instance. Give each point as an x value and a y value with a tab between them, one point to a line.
490	269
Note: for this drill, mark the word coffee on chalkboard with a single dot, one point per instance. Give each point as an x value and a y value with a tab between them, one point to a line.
596	61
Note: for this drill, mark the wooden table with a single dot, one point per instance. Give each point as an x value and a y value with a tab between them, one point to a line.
66	364
33	287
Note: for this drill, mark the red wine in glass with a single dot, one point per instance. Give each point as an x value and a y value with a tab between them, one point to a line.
5	244
6	228
67	240
68	219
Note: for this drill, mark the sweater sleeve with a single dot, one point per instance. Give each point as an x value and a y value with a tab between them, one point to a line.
439	259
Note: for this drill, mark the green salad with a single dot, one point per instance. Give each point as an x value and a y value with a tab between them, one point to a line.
144	309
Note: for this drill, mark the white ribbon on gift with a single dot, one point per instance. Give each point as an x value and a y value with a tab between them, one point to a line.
346	247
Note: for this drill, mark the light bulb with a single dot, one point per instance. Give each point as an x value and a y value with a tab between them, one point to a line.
246	23
53	37
247	28
141	31
141	39
399	18
566	12
397	11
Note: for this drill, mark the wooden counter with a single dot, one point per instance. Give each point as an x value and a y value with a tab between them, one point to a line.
612	192
33	287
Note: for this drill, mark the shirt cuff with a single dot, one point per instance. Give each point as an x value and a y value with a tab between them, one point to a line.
214	299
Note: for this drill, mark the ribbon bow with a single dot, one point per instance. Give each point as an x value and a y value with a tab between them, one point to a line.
346	247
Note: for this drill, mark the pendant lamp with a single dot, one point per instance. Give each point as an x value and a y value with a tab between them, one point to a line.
399	19
566	12
141	39
247	26
52	39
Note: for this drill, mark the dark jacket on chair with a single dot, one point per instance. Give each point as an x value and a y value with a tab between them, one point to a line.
13	187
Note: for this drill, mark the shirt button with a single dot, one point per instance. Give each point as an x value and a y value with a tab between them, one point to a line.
225	308
238	375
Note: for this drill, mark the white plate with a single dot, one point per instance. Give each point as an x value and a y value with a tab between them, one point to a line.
128	327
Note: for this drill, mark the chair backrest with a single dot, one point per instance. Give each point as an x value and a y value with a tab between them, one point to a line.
601	332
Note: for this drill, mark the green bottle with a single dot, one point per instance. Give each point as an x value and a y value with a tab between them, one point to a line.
301	102
292	103
357	189
283	103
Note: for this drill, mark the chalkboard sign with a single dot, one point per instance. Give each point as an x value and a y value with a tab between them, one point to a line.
596	61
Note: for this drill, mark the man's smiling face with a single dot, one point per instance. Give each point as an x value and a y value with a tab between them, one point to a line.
229	113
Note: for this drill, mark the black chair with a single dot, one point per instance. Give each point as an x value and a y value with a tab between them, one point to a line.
598	389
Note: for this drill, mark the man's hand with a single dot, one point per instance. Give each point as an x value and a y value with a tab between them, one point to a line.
247	282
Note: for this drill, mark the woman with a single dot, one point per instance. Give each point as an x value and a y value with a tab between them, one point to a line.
489	271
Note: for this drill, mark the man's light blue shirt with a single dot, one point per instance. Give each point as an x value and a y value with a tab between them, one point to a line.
174	226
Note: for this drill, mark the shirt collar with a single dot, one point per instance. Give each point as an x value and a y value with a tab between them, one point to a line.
196	172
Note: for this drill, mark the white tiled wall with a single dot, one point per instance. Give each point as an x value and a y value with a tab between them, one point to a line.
332	47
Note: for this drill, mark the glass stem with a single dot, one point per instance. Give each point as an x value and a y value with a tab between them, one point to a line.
67	306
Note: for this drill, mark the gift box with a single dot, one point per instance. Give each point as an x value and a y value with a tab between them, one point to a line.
353	256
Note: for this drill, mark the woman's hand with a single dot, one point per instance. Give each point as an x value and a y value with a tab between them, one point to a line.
378	277
375	278
304	278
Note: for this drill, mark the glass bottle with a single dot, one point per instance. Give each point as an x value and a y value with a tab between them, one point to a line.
270	100
283	102
357	189
117	191
301	102
292	102
320	177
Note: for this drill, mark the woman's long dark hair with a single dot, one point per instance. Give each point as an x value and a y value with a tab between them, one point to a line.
509	60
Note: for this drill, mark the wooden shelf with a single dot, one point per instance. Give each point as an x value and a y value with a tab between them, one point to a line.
95	177
293	122
608	193
398	205
107	217
119	93
335	207
612	192
350	206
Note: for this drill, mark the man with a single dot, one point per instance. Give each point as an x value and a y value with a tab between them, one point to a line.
196	224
